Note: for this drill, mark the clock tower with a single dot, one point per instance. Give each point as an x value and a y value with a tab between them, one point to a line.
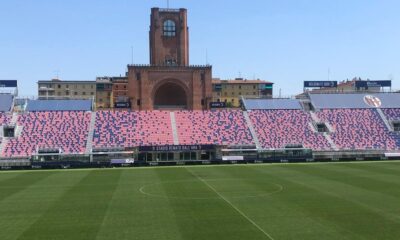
169	82
169	38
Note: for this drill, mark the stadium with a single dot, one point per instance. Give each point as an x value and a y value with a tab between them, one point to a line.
173	162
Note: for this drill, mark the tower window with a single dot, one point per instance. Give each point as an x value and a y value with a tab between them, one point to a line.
169	28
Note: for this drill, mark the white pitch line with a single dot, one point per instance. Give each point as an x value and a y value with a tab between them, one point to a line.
233	206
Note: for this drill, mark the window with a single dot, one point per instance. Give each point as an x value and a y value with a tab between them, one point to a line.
84	93
169	28
138	76
75	93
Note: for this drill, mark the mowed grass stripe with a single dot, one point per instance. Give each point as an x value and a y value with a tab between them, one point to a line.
134	215
387	169
79	213
232	205
358	178
208	218
340	203
277	213
19	182
22	209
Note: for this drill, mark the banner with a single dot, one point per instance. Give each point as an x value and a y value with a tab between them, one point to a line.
378	83
313	84
8	83
176	148
217	104
122	105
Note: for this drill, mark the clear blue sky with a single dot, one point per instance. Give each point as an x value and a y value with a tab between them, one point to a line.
285	42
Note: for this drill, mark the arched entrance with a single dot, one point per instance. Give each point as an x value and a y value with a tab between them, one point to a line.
170	95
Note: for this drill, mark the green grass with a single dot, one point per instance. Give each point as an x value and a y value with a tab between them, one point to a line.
294	201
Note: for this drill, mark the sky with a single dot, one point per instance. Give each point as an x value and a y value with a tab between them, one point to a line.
285	41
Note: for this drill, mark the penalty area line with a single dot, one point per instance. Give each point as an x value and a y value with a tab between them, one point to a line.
231	204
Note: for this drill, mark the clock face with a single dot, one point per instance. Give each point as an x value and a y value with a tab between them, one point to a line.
169	28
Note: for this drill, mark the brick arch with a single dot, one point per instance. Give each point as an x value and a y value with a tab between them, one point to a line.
171	92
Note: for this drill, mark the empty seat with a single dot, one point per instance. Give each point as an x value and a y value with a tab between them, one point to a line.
278	128
358	129
64	130
224	127
132	128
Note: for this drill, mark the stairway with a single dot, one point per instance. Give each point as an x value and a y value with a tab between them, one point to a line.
330	141
174	129
316	120
3	144
14	119
251	128
385	120
89	142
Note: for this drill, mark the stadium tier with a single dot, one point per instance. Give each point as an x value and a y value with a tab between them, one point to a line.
358	129
281	123
130	129
64	130
278	128
4	118
392	113
227	127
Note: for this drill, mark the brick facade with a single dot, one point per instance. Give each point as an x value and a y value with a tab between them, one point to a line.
169	67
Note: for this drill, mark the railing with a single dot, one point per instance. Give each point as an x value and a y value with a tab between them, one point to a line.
169	10
169	66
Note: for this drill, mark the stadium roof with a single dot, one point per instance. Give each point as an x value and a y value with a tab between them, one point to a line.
271	104
59	105
6	102
355	100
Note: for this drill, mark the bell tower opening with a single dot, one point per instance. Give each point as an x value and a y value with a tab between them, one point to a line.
170	96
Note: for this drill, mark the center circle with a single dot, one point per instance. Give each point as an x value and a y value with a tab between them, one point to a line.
195	189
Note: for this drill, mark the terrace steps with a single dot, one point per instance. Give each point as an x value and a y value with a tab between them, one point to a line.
174	129
384	119
89	143
251	128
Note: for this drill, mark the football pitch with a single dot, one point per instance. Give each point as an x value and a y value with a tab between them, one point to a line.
279	201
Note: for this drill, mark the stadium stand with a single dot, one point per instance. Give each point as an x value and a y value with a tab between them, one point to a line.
360	129
130	129
392	113
59	105
66	130
278	128
4	118
6	102
225	127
